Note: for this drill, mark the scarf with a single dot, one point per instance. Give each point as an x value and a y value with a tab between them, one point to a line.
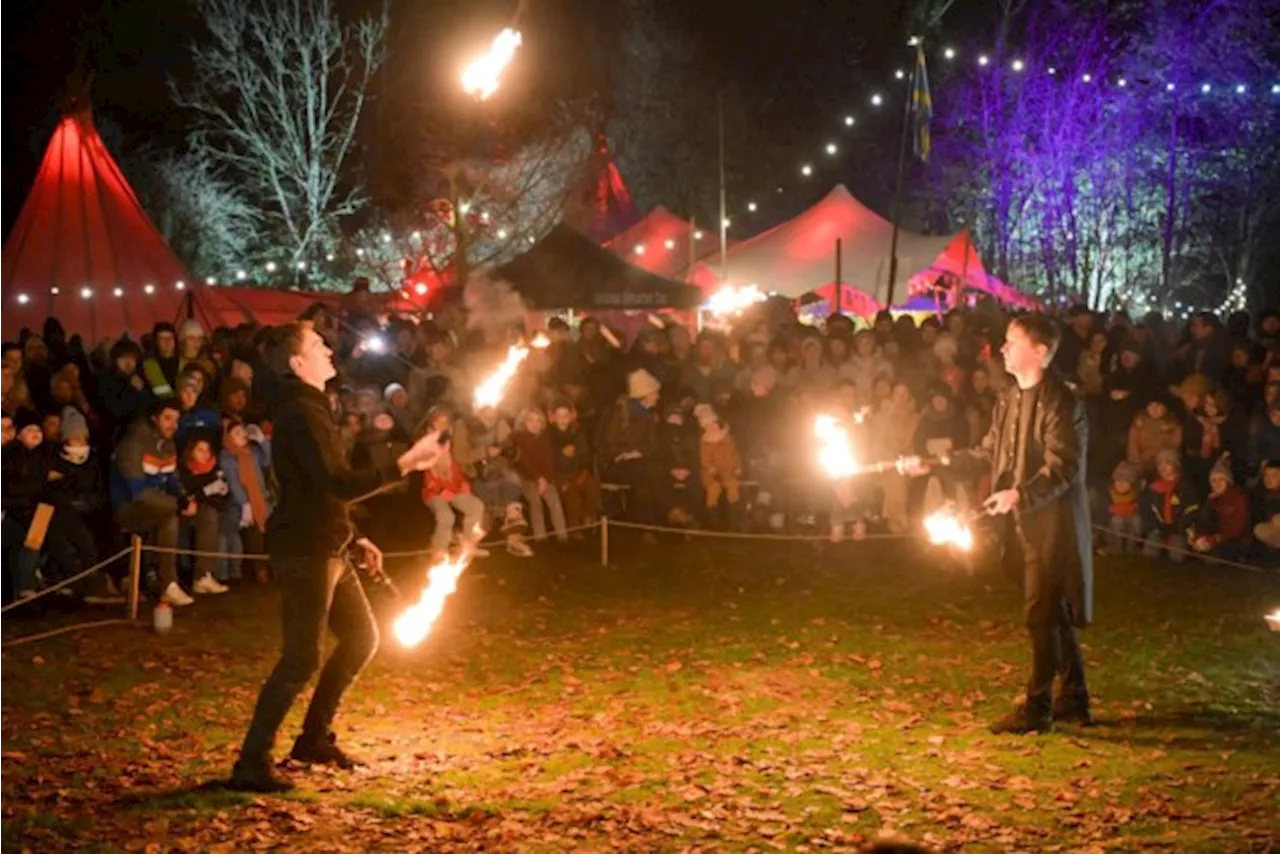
76	455
1168	490
201	468
1211	438
1124	504
251	481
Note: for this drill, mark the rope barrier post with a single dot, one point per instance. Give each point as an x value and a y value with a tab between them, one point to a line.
604	541
135	576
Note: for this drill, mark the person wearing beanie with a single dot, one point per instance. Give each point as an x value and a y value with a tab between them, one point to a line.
629	446
125	394
233	399
1222	526
160	370
25	464
197	419
1124	513
396	401
1169	505
192	351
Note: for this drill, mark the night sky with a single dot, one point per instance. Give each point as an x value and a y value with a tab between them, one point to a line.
803	65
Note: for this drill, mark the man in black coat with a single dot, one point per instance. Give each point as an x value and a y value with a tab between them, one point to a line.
1036	449
308	537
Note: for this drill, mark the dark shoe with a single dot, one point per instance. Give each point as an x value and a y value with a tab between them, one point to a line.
1021	722
1073	709
258	777
322	751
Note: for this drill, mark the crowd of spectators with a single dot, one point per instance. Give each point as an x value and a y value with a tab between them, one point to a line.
170	437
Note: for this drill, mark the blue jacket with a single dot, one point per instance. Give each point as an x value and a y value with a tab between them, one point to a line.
231	469
201	421
144	468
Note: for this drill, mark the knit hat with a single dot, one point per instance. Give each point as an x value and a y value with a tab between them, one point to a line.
390	390
187	379
1222	468
641	383
1170	456
191	329
73	424
26	417
1127	472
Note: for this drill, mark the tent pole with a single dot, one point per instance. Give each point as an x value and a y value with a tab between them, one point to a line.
835	301
897	190
724	213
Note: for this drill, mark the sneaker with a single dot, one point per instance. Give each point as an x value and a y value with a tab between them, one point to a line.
518	547
258	777
207	584
175	595
324	750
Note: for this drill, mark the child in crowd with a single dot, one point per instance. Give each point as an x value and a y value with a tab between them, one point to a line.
1124	513
1154	429
1222	526
1169	504
678	451
535	462
75	489
721	470
482	446
245	458
445	488
1266	514
25	466
578	489
203	484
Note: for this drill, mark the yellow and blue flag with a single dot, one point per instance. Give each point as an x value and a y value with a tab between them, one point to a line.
921	108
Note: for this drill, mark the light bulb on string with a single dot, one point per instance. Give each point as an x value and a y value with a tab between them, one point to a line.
1240	88
329	257
984	60
639	249
751	206
1052	70
831	148
23	299
148	289
806	170
302	265
1018	65
117	292
1169	87
1275	88
848	121
241	275
1122	83
949	53
697	235
1205	88
271	266
502	234
899	74
876	100
669	243
86	293
386	238
1087	78
360	252
726	222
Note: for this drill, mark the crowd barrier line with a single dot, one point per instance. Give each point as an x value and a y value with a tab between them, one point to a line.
61	584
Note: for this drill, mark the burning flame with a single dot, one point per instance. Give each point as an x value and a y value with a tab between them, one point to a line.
1273	620
540	341
734	300
415	623
489	392
481	77
944	528
834	454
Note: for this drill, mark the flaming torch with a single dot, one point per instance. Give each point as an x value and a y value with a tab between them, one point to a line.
1273	620
945	528
482	76
540	341
415	623
489	392
835	453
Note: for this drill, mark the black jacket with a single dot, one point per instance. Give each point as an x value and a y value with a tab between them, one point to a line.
25	474
210	488
81	488
316	480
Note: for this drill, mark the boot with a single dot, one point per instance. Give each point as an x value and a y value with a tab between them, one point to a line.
1073	708
1022	721
322	750
259	777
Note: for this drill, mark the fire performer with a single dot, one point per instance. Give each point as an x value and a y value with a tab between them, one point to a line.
1036	449
313	547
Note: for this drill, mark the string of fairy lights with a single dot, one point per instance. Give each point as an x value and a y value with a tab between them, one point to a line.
808	169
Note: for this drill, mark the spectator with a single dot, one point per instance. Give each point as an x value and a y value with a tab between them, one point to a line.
721	471
482	446
75	489
865	366
1266	514
245	459
196	420
233	400
574	479
124	394
535	462
396	400
1154	429
445	489
203	483
629	445
1265	445
1169	505
26	468
1222	524
1124	512
144	495
160	370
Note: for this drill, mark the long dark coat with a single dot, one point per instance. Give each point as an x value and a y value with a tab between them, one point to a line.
1052	516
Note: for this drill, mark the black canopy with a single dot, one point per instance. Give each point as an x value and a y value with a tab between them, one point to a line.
568	270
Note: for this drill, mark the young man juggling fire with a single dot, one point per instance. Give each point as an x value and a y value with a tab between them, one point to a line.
1036	450
313	547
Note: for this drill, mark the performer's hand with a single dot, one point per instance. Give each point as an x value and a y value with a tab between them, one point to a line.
913	467
1002	502
370	557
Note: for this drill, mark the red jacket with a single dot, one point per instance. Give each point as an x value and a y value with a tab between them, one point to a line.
434	485
535	455
1231	509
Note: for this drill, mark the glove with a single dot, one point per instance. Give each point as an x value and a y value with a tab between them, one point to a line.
246	515
254	434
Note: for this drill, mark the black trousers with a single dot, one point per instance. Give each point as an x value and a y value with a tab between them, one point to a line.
1050	624
316	595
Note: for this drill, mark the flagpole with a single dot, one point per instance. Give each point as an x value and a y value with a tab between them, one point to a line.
895	213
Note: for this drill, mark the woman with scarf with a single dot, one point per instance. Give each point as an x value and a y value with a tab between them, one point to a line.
245	457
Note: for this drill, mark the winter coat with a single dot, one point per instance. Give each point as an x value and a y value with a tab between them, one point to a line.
1169	507
567	464
209	488
145	469
23	483
629	427
1224	518
123	402
678	447
1148	437
378	449
535	455
230	465
1052	514
937	429
80	488
437	485
316	482
720	460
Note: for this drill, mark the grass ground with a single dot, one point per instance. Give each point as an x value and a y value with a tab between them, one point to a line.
705	694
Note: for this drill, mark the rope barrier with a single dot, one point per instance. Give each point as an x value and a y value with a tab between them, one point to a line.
1191	553
74	627
699	532
498	542
61	584
165	550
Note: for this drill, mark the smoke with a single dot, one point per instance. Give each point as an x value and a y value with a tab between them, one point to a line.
492	306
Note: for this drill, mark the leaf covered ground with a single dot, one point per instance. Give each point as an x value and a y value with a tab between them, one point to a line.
695	695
